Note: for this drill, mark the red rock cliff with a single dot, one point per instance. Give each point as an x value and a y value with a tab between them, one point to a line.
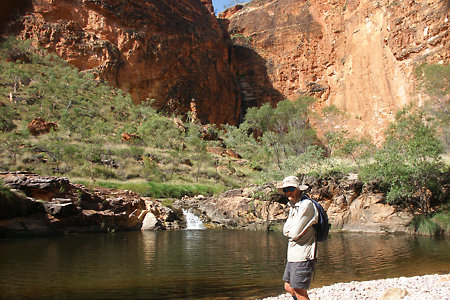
173	51
358	55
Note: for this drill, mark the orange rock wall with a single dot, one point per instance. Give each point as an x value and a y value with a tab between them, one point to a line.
173	51
358	55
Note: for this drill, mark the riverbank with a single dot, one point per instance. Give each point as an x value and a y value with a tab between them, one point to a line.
428	287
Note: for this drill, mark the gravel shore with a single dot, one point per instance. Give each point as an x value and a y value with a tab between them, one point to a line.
429	287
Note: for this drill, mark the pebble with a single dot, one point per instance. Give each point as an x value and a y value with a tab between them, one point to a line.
428	287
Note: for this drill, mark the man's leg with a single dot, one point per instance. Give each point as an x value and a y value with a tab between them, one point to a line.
290	290
305	269
301	294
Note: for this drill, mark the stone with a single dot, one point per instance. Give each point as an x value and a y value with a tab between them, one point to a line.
126	137
17	205
60	209
150	222
38	187
393	294
232	153
39	126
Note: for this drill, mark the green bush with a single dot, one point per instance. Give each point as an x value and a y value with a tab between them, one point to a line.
409	161
439	224
5	193
442	219
424	226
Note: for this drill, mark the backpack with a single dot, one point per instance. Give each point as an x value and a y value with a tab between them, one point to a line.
322	227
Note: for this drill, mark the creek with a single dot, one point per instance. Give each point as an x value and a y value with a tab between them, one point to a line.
199	264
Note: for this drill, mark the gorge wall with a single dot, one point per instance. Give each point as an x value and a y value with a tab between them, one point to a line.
356	55
173	51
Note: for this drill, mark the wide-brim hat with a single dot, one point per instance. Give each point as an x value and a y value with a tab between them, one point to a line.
291	181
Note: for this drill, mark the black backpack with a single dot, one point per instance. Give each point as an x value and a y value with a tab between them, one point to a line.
322	227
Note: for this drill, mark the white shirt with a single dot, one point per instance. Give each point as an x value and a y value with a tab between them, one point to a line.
298	228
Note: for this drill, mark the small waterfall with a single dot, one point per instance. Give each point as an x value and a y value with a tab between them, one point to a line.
192	221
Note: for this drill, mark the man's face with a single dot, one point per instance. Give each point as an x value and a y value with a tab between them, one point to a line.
292	194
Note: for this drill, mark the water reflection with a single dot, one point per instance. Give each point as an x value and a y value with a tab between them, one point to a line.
347	257
206	264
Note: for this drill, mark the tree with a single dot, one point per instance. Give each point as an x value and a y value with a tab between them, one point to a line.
356	148
409	161
198	145
284	129
13	142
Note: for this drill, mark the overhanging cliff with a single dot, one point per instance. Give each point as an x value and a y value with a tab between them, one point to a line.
173	51
356	55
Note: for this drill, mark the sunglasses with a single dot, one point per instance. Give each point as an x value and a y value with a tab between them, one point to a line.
289	189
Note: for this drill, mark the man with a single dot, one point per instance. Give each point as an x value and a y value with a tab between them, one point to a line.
301	253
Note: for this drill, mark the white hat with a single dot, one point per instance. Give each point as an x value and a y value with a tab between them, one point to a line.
291	181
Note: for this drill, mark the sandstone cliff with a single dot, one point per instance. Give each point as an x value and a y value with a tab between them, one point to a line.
358	55
173	51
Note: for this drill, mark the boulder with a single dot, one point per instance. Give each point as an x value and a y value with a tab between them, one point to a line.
71	208
14	205
32	225
60	209
127	137
35	186
39	126
351	206
150	222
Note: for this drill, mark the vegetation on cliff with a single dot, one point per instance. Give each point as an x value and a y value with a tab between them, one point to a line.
97	132
97	136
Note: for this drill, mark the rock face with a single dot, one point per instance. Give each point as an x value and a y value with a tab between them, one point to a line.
357	55
53	205
173	51
350	205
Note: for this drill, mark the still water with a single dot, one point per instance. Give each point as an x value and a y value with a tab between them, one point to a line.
199	264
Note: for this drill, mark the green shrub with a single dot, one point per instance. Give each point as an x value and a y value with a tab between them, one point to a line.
5	193
409	161
442	219
437	225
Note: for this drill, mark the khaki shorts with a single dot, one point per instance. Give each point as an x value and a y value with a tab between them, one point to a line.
299	274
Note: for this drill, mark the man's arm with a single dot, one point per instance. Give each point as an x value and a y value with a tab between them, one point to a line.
302	221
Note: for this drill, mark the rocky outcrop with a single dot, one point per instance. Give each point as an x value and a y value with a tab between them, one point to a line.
174	52
41	205
39	126
357	55
350	205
